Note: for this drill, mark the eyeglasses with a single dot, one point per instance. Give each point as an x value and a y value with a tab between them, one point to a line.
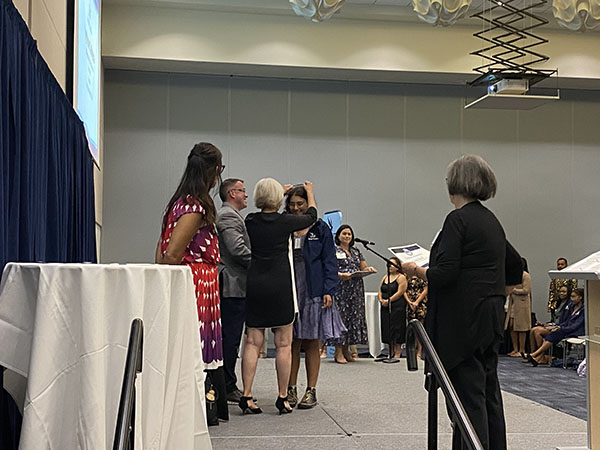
221	168
240	190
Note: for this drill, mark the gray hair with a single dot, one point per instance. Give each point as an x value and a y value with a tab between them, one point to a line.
268	193
471	177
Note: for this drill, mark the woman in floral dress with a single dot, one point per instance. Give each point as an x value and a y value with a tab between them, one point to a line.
350	295
416	302
188	237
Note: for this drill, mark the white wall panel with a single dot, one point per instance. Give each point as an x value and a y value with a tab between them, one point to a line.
136	185
318	147
378	152
544	203
376	168
197	111
259	132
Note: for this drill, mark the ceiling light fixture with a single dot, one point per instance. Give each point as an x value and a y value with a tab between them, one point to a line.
577	15
441	12
316	10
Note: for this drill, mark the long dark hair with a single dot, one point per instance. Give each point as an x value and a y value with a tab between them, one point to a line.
203	167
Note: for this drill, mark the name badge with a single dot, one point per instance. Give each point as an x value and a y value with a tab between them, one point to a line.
297	243
341	254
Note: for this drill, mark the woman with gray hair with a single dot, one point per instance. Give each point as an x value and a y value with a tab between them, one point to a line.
270	293
470	265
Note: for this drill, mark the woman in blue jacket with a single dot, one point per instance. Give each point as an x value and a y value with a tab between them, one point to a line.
571	324
316	278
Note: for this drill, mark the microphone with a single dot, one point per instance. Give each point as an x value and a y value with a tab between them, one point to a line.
363	241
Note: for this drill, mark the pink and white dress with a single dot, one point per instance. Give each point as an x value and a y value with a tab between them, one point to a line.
202	255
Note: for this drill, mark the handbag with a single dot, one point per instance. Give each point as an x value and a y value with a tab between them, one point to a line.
210	394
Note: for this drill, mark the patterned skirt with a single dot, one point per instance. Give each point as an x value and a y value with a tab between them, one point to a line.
206	281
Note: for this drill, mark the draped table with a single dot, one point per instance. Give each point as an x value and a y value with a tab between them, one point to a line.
65	327
373	319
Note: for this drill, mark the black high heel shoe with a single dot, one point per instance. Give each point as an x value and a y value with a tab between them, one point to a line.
246	409
280	405
533	362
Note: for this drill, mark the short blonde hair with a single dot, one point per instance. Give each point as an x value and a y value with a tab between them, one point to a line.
268	194
472	177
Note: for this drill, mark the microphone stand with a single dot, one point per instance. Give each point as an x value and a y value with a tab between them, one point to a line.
390	359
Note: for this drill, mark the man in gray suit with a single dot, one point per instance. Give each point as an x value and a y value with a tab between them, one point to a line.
234	245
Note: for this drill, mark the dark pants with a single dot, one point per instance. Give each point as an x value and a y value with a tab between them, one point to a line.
217	380
476	383
233	316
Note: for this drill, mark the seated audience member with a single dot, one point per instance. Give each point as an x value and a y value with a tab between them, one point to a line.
518	316
541	330
555	285
572	324
564	294
393	326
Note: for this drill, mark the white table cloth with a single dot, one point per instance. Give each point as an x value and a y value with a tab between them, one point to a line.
66	327
373	319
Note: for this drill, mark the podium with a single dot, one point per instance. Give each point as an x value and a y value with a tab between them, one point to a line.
588	269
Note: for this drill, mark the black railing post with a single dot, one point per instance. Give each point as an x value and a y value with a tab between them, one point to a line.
432	411
125	428
437	376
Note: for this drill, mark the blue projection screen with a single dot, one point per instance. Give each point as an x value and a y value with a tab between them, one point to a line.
86	66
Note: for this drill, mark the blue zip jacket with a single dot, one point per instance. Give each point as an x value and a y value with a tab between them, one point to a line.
320	261
572	325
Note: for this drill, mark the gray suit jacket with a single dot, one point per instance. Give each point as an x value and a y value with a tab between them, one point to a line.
234	245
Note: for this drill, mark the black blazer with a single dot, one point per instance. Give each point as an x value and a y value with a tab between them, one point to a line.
470	264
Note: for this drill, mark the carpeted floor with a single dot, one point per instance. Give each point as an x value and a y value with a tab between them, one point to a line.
558	388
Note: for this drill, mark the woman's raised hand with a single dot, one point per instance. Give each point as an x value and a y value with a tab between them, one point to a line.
286	188
309	187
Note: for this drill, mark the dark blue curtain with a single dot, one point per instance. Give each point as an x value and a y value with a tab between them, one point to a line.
46	170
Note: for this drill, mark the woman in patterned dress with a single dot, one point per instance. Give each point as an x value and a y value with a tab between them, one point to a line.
416	302
350	296
188	237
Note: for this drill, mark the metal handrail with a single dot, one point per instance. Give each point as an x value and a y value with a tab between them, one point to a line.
125	428
435	377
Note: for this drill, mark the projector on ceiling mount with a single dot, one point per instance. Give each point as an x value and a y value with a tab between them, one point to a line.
509	87
509	91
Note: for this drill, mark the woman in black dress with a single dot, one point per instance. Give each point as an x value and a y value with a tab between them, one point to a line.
270	293
470	265
393	327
